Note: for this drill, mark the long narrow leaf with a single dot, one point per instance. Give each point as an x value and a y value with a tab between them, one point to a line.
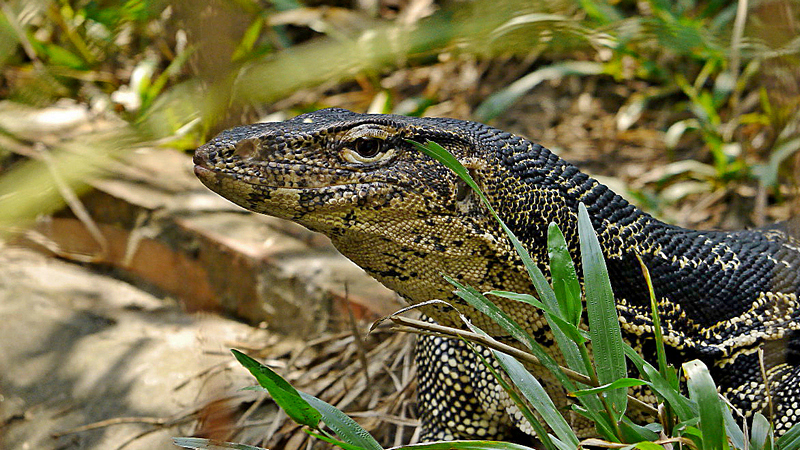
539	429
478	301
540	283
682	406
572	331
341	444
760	433
344	427
621	383
537	396
703	391
565	281
602	314
210	444
464	445
734	431
791	439
282	392
568	348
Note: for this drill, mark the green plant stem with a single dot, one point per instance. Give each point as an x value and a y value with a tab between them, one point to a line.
73	37
659	337
611	415
587	360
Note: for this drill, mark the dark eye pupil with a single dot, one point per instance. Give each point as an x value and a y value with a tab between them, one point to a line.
368	148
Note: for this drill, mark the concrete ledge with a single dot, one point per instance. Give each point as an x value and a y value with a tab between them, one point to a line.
163	228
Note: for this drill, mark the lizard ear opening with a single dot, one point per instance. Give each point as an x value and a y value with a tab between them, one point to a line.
463	190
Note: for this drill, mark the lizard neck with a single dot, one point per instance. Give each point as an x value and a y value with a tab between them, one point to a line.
544	188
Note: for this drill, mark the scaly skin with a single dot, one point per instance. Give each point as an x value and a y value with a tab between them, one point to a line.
406	219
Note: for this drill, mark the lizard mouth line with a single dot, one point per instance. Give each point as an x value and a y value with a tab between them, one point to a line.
206	173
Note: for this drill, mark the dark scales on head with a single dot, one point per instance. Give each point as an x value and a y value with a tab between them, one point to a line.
406	219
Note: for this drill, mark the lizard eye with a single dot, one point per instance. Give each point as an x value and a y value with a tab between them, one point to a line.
368	148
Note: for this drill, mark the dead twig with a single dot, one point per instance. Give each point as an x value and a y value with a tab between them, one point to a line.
420	327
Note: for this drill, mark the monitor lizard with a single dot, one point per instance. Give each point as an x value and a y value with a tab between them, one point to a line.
406	220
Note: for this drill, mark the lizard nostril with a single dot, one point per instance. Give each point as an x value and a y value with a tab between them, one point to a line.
245	148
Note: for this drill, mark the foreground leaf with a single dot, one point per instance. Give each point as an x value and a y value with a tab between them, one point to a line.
761	433
464	445
602	314
537	396
704	392
210	444
565	280
282	392
791	439
344	427
621	383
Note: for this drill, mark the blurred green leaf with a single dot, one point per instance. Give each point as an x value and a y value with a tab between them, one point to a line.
501	100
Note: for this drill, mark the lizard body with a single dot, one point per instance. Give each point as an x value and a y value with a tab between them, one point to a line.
406	219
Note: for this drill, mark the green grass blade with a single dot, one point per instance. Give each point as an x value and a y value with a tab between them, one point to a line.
538	279
601	421
791	439
648	446
464	445
501	100
573	332
735	434
210	444
703	391
602	314
537	396
568	348
524	298
761	433
682	406
659	336
565	281
344	427
633	432
540	431
332	441
282	392
478	301
621	383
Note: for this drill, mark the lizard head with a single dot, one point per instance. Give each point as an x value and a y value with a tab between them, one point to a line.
320	168
355	178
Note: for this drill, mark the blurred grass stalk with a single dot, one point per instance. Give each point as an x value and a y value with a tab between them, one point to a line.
29	189
194	106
